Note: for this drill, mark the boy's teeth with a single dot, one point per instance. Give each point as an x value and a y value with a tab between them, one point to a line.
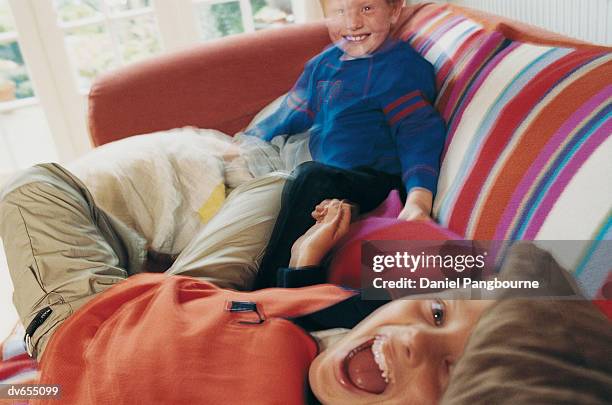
379	357
356	38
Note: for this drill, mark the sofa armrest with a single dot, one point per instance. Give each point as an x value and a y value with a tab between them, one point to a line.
220	84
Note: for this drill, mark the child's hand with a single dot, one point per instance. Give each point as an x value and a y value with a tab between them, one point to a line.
311	247
320	210
418	205
413	212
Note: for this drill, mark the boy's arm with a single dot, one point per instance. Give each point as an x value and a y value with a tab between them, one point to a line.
419	133
295	114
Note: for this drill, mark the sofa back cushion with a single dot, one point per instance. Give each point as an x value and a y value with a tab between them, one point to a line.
528	149
456	46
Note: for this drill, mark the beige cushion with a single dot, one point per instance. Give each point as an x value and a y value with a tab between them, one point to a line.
164	185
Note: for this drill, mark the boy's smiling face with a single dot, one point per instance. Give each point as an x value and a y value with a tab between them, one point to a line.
360	27
401	354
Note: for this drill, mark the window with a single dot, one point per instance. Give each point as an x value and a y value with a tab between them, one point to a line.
100	35
221	18
15	82
20	110
52	50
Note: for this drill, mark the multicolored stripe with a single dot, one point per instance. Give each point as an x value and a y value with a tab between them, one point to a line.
454	44
454	92
16	367
496	89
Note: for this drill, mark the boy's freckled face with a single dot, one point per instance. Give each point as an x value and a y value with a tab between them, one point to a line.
360	27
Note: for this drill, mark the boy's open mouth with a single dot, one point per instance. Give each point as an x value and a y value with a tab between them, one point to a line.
366	367
356	38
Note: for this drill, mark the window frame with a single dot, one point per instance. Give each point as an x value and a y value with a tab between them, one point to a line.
41	34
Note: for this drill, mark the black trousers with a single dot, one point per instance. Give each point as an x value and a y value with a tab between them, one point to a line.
312	183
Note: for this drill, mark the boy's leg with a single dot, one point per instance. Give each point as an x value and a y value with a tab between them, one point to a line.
61	249
311	183
227	250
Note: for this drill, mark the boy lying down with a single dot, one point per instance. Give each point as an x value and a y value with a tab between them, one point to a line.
189	335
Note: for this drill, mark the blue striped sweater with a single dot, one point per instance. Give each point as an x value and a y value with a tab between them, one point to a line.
371	112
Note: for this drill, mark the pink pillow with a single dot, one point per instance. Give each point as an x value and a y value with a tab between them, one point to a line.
380	224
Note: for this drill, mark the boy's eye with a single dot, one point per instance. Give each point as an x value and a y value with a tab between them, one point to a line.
438	312
366	9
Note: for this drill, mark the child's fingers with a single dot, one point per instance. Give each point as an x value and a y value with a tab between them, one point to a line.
344	221
320	210
331	210
319	215
341	209
335	219
348	213
323	204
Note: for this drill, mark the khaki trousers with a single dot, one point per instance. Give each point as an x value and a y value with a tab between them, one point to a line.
62	249
228	249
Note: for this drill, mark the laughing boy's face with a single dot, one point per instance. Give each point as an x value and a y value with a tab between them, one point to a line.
359	27
401	354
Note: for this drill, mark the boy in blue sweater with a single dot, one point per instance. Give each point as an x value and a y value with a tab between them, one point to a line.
366	103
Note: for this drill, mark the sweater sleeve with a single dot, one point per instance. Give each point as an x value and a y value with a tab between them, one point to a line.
419	133
305	276
295	114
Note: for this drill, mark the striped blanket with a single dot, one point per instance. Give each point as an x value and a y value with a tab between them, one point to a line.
16	367
527	155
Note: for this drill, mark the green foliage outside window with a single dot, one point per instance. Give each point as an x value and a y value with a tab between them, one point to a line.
227	19
12	69
257	5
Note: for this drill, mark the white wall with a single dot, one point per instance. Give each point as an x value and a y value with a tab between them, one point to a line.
25	139
8	314
588	20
